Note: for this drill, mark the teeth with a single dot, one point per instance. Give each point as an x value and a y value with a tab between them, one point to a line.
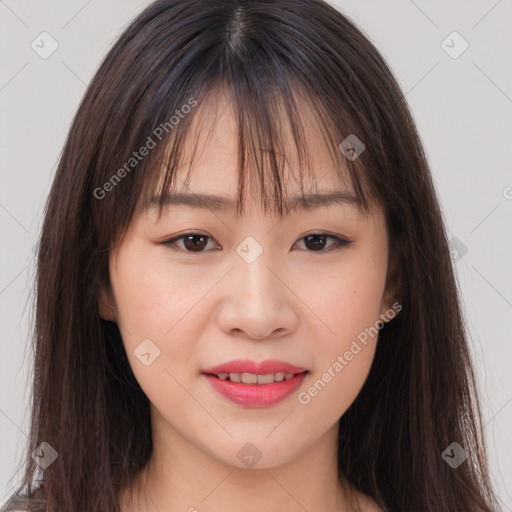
268	378
235	377
252	378
249	378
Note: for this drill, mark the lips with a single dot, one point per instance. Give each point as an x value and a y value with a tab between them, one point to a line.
252	384
248	366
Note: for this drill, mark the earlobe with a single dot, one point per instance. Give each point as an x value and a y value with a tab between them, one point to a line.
106	309
394	289
391	301
390	310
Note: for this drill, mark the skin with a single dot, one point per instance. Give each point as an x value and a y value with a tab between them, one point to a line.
293	303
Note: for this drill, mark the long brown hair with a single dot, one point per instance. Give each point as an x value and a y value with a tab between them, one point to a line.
420	395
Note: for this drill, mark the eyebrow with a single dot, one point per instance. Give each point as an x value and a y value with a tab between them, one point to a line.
223	203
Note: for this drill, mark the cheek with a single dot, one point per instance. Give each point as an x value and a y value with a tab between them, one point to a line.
155	303
348	300
348	303
151	295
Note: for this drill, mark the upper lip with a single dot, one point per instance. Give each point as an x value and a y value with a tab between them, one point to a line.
248	366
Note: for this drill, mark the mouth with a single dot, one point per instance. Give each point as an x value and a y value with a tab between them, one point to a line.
250	384
254	378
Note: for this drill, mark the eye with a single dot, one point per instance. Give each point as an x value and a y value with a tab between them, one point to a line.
318	241
197	242
193	242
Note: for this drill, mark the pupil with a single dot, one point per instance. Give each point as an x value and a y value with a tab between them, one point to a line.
193	246
315	244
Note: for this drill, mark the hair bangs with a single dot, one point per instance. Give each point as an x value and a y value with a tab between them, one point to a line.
272	146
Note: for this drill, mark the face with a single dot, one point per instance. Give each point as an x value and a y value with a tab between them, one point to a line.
199	288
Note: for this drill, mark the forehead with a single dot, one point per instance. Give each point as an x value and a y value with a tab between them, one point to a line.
210	161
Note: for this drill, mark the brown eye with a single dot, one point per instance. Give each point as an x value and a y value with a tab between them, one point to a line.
192	242
315	242
195	242
318	242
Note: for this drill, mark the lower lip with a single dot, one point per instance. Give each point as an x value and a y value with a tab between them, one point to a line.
256	395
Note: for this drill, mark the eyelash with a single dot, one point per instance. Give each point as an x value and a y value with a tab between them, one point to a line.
341	243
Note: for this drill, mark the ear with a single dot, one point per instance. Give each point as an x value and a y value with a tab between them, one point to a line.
394	290
106	304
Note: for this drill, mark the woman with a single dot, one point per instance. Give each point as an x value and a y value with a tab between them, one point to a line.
245	297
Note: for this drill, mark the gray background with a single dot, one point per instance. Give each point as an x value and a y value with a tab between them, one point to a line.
462	106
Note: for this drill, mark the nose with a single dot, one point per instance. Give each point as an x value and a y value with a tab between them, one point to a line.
257	301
